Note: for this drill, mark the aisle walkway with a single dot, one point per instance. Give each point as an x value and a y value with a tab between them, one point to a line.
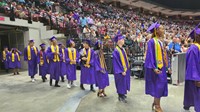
18	94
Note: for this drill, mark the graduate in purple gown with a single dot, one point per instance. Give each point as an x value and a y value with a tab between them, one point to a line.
72	58
30	55
192	76
5	58
54	61
87	65
101	73
14	62
155	67
42	61
121	68
62	61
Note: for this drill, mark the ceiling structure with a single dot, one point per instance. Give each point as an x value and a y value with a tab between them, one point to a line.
156	8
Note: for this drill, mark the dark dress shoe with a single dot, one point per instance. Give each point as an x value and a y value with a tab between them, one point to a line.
57	85
82	87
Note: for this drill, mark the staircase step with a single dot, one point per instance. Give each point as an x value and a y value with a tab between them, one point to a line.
48	27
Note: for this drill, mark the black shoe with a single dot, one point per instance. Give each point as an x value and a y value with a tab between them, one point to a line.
82	87
43	80
57	85
124	96
92	88
50	82
17	73
120	99
62	79
186	108
124	100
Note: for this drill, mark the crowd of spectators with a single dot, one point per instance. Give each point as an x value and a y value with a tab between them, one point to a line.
82	19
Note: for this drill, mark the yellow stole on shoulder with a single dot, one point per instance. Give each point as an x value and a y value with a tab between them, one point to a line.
88	57
122	58
197	45
41	58
72	57
158	51
29	51
56	57
4	55
13	56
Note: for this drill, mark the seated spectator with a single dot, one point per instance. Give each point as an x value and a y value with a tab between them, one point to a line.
86	32
106	36
83	21
174	46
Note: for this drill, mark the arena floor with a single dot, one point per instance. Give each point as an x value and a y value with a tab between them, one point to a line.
18	94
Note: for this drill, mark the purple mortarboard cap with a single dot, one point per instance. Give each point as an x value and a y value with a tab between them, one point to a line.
14	48
69	41
5	46
52	38
153	26
59	44
42	45
117	38
98	42
31	41
196	31
87	41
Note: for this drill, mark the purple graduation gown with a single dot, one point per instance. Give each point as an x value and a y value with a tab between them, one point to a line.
102	79
32	64
71	69
62	64
6	61
192	93
54	67
16	63
155	85
43	69
87	74
122	83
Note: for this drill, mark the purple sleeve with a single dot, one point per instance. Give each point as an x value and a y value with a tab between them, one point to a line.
25	54
192	65
92	58
50	55
20	53
38	58
117	66
150	55
67	56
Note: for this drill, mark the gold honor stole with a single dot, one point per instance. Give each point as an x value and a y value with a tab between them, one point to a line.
158	51
122	58
41	58
72	57
63	52
56	57
88	57
197	45
29	51
13	56
4	55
